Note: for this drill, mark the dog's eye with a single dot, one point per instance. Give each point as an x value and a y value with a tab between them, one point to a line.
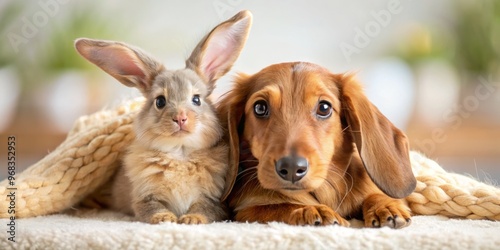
161	102
324	110
196	100
260	109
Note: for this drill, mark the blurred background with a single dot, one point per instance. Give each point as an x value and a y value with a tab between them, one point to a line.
432	67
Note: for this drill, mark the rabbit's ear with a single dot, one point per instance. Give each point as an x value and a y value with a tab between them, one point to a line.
215	54
129	65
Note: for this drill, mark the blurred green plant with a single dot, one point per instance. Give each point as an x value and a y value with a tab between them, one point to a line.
9	12
58	52
51	50
425	42
476	24
470	42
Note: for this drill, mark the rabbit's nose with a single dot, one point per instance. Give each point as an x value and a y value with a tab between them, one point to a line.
180	119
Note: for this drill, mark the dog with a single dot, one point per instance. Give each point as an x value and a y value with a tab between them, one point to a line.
307	147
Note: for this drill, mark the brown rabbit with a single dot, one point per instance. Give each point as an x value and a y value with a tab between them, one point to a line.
175	169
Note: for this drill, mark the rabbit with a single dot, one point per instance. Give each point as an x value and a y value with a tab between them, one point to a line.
174	170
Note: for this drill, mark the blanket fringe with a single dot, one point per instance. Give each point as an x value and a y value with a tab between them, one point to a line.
90	155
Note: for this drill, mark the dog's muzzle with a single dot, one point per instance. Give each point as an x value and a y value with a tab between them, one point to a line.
292	168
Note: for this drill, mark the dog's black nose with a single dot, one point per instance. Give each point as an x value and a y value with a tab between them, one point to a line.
292	168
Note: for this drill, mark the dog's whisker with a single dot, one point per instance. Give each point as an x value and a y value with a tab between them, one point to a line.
249	160
348	188
250	181
247	172
244	176
334	185
348	126
251	178
248	169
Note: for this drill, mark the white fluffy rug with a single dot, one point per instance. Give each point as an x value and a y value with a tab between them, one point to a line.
109	230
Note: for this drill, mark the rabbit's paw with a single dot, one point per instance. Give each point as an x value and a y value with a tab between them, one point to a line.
193	219
163	217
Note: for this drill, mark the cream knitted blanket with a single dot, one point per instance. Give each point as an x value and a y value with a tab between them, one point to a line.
107	230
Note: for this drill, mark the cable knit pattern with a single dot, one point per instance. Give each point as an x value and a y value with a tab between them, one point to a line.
83	162
453	195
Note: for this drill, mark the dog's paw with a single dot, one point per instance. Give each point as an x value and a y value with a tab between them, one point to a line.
193	219
316	215
382	211
163	217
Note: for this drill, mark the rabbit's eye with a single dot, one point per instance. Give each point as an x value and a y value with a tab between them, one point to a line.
161	102
196	100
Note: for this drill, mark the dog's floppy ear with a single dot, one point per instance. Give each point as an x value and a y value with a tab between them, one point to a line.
384	149
231	110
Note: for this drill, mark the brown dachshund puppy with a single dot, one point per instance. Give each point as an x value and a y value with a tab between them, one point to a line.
308	148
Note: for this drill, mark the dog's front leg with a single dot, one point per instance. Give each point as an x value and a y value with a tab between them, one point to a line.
292	214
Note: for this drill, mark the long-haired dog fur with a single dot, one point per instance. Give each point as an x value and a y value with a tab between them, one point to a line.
309	148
